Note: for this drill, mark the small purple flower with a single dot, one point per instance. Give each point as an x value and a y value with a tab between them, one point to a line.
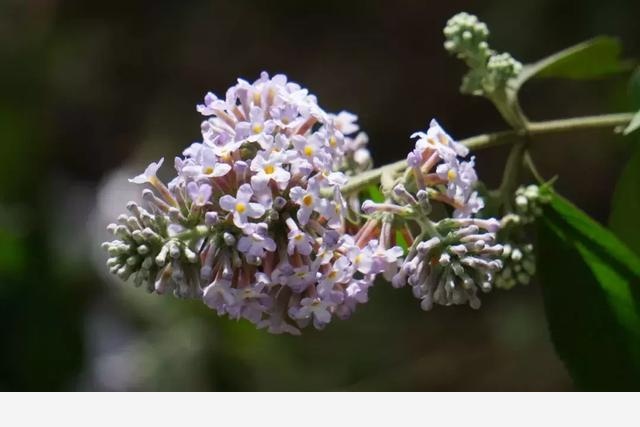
241	207
388	261
298	240
346	122
333	210
339	272
362	259
207	166
308	199
309	147
199	194
219	295
149	175
208	108
259	128
257	240
313	308
267	168
302	278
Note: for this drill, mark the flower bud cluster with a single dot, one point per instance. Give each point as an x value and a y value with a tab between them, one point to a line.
519	265
466	37
144	246
450	268
529	202
503	66
254	223
519	256
452	258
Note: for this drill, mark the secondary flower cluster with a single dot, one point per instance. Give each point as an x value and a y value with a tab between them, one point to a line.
449	259
254	223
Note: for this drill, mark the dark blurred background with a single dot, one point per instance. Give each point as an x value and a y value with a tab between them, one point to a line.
90	92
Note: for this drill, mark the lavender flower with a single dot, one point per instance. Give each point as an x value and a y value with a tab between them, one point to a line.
241	207
247	224
149	175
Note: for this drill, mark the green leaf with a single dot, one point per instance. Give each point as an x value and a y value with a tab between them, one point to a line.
375	194
591	288
593	58
625	205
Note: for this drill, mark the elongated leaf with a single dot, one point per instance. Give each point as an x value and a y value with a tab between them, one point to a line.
593	58
591	287
625	206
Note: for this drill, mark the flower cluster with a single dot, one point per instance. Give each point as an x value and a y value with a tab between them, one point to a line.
449	259
254	223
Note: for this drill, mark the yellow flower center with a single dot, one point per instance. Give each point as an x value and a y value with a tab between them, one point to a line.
333	141
207	170
332	275
257	128
268	169
298	237
256	98
241	207
308	150
452	175
307	200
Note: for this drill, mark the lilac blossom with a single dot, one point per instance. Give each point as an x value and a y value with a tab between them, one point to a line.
199	194
149	175
255	223
308	200
257	241
269	167
241	207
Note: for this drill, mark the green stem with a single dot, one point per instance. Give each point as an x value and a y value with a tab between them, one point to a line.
511	173
528	160
365	179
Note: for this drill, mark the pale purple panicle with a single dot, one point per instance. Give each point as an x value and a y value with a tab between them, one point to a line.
254	223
